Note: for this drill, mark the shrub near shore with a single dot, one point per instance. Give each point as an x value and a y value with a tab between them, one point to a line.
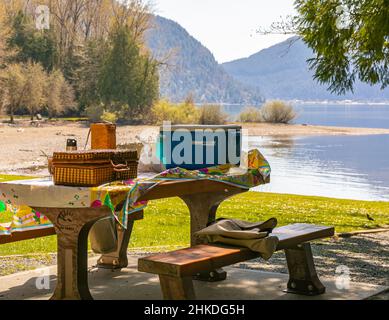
275	111
251	115
278	111
187	113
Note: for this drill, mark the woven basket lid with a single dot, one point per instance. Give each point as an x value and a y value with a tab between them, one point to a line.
87	155
83	155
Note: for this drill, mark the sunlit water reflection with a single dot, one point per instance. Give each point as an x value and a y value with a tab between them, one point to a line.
348	167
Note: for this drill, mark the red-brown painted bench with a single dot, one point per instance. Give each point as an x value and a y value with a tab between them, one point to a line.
27	235
177	269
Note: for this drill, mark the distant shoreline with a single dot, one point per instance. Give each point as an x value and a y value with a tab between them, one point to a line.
321	102
298	102
340	102
266	129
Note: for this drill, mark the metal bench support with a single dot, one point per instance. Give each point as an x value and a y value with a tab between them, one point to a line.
303	278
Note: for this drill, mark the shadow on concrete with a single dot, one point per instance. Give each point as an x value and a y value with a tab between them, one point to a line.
366	257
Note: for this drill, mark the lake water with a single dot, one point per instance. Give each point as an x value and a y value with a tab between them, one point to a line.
349	167
359	116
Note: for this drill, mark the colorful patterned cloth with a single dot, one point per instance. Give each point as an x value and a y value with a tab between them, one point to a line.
24	218
256	172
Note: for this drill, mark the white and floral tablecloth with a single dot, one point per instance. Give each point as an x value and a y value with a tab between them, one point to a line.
19	197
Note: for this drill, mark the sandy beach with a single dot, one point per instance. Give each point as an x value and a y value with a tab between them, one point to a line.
23	147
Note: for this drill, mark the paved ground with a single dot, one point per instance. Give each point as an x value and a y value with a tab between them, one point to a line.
129	284
366	258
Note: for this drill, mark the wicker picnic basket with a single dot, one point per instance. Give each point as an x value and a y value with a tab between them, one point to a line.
94	167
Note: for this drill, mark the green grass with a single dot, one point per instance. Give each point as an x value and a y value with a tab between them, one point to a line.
166	221
5	177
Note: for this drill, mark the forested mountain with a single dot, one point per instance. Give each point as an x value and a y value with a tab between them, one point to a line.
281	71
192	69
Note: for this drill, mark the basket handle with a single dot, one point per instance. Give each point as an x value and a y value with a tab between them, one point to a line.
120	167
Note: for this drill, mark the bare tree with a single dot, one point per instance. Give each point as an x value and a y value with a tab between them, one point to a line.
76	21
8	9
135	14
59	93
13	88
35	81
3	30
285	25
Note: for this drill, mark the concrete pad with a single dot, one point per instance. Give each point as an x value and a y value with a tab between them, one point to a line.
129	284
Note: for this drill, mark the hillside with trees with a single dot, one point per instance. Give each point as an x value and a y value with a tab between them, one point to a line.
282	72
191	69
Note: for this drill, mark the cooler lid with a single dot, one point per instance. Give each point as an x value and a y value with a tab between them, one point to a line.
192	127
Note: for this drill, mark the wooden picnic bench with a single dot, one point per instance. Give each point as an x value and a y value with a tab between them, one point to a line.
177	269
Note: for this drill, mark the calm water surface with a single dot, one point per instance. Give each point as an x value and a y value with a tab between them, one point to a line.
360	116
348	167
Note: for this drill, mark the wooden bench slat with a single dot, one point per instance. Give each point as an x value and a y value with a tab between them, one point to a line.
190	261
186	262
294	234
26	235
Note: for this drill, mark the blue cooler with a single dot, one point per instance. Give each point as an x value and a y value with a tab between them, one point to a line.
194	147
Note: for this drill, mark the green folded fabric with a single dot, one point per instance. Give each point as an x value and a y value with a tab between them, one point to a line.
238	229
254	236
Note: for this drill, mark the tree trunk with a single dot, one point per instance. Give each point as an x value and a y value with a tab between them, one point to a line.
12	120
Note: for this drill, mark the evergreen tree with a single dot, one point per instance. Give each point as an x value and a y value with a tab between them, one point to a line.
88	75
30	43
148	85
120	70
129	80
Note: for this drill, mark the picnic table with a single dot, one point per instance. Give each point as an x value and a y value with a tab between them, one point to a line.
68	208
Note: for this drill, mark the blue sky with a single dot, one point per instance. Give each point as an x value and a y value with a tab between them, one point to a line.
227	27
